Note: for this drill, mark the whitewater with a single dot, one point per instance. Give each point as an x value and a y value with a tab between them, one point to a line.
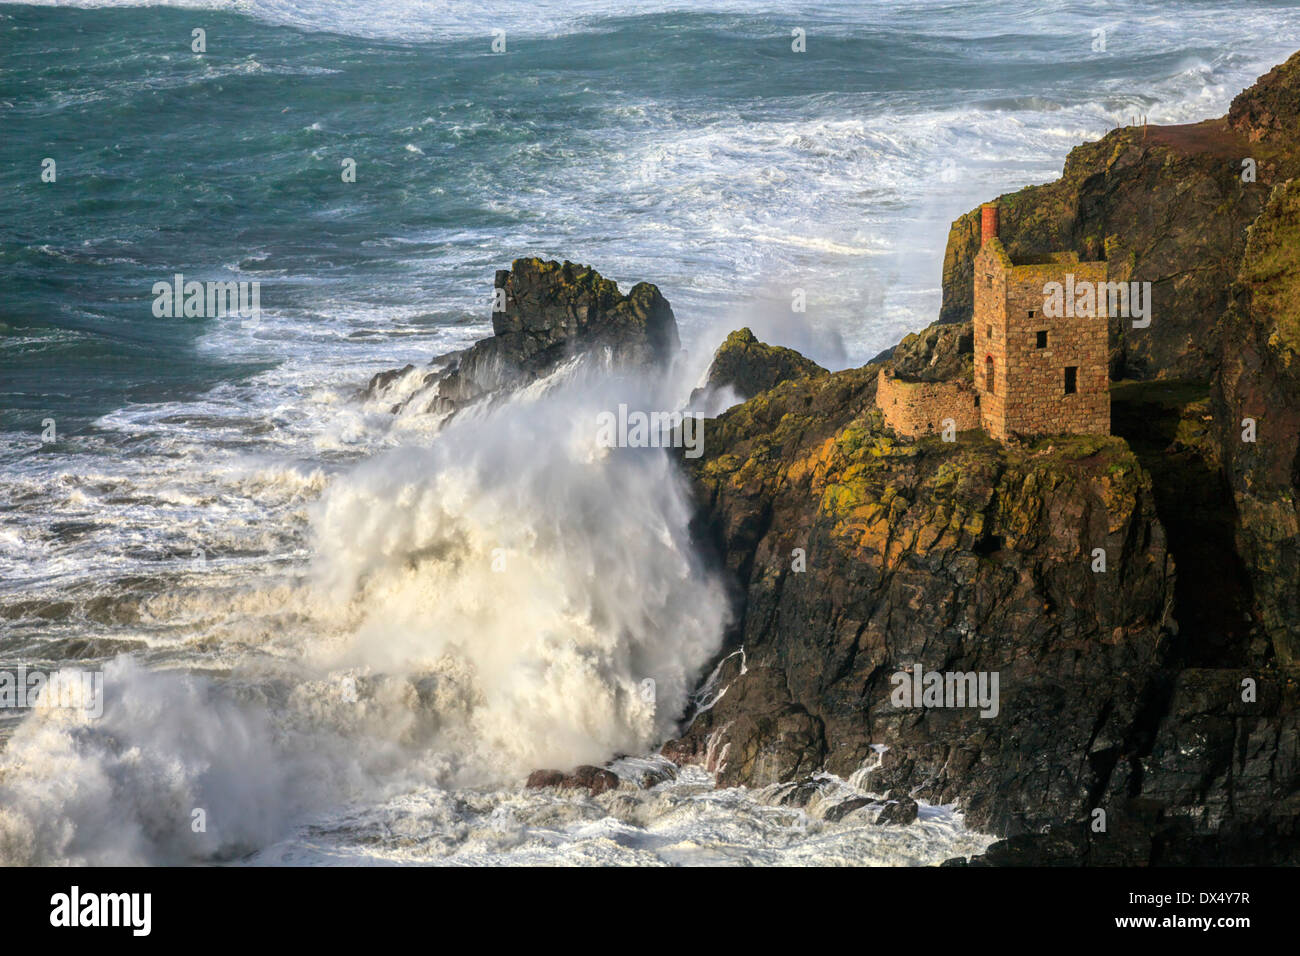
344	635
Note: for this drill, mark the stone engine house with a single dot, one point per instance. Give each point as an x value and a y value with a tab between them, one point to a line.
1034	374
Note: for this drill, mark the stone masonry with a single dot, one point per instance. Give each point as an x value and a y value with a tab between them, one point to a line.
921	408
1036	374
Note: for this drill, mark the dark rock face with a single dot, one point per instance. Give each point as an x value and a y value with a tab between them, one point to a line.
595	779
1232	764
750	366
1259	382
766	736
1171	429
962	557
1162	204
552	312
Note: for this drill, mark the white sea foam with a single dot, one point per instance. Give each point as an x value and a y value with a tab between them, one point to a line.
537	577
681	822
122	789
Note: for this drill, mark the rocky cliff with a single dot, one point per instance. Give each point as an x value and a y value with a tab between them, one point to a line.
1148	711
1257	417
861	557
748	366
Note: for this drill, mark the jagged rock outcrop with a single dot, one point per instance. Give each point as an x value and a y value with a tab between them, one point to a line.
943	352
552	312
749	366
1269	111
1166	205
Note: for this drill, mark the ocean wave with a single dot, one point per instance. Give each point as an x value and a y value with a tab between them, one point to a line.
496	600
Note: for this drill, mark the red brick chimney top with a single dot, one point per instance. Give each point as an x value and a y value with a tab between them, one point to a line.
988	222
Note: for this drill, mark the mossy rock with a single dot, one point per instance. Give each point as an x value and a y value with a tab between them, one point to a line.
752	367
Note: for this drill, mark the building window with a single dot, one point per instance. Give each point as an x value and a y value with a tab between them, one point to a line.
988	374
1041	339
1032	313
988	276
988	331
1071	379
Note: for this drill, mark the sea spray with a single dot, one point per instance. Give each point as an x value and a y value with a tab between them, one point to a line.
531	578
121	789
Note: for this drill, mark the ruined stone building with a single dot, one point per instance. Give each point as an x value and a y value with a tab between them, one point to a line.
1036	370
920	406
1038	374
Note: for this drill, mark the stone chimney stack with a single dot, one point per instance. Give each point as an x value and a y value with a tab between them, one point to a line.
988	222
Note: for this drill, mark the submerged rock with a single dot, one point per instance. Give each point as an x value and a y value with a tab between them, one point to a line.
595	779
381	380
837	812
796	794
899	811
